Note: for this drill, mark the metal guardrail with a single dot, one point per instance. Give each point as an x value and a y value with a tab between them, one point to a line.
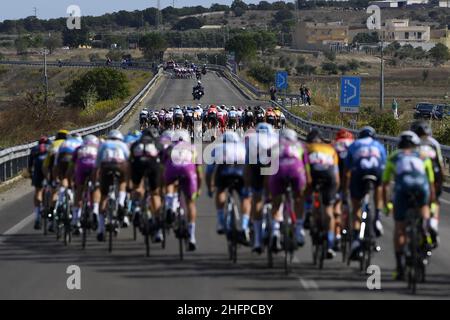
15	159
81	64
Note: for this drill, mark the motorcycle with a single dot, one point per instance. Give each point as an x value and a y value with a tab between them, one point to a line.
203	71
198	94
198	75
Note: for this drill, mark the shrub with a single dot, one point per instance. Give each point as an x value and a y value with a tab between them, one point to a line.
384	123
262	73
306	69
330	67
330	55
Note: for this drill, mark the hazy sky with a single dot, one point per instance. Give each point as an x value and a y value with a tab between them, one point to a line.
15	9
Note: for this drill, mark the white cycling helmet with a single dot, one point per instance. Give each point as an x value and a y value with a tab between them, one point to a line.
289	134
264	127
181	135
199	82
115	135
230	136
91	140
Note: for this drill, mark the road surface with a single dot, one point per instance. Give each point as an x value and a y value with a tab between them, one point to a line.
34	267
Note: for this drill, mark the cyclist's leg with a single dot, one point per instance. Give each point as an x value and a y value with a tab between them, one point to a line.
105	182
328	198
252	173
400	208
37	181
124	170
190	187
356	193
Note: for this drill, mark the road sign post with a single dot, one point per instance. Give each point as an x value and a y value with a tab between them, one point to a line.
350	94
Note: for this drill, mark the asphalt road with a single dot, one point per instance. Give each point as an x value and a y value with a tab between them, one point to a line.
34	267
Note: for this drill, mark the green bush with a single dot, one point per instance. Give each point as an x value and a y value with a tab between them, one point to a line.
262	73
306	69
353	65
330	67
330	55
107	83
384	123
100	109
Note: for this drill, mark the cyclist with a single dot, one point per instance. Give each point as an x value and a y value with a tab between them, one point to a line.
258	143
84	159
249	119
366	156
112	157
430	148
412	175
35	166
143	118
178	117
179	165
64	167
278	114
324	165
293	167
132	137
227	170
271	117
145	163
344	139
49	168
233	119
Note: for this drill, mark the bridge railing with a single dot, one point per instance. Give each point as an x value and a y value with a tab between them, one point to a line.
13	160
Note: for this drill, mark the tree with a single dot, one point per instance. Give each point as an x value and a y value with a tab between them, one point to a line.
305	69
243	45
53	42
330	55
330	67
265	40
439	53
188	23
101	83
75	38
283	15
264	5
239	7
363	37
21	44
262	73
153	46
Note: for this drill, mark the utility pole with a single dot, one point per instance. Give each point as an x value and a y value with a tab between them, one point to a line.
35	12
45	77
382	73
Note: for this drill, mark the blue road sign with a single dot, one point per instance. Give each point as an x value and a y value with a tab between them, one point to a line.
281	80
350	94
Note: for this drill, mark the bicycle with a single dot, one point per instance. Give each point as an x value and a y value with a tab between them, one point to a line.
62	219
268	232
181	224
46	212
317	231
417	251
233	218
288	227
345	229
86	219
366	233
112	209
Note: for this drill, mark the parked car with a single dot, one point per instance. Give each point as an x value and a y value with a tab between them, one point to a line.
426	110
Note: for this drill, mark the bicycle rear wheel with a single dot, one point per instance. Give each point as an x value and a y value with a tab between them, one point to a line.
84	225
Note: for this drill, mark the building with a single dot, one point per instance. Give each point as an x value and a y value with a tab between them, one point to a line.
312	36
398	3
444	4
441	36
399	30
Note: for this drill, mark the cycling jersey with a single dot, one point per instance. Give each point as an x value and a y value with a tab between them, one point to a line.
324	164
66	149
84	158
293	166
412	175
180	165
430	148
36	162
113	151
52	151
341	146
365	157
144	160
131	138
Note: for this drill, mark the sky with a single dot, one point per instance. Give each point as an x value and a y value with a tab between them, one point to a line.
46	9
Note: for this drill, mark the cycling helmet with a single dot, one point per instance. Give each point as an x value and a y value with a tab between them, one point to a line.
314	136
62	134
264	127
91	140
181	135
366	132
289	135
230	136
344	134
421	128
199	82
115	135
408	139
43	140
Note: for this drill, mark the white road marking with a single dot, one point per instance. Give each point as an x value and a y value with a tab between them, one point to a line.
15	229
308	284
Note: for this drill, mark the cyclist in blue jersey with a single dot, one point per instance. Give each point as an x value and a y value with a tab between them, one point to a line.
227	169
366	156
132	137
112	156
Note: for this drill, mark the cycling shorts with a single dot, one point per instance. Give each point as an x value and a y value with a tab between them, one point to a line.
152	171
107	179
63	165
223	182
256	179
83	172
357	184
402	203
37	180
292	171
329	186
187	176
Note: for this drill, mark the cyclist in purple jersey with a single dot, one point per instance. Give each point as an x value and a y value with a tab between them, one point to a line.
293	167
180	166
